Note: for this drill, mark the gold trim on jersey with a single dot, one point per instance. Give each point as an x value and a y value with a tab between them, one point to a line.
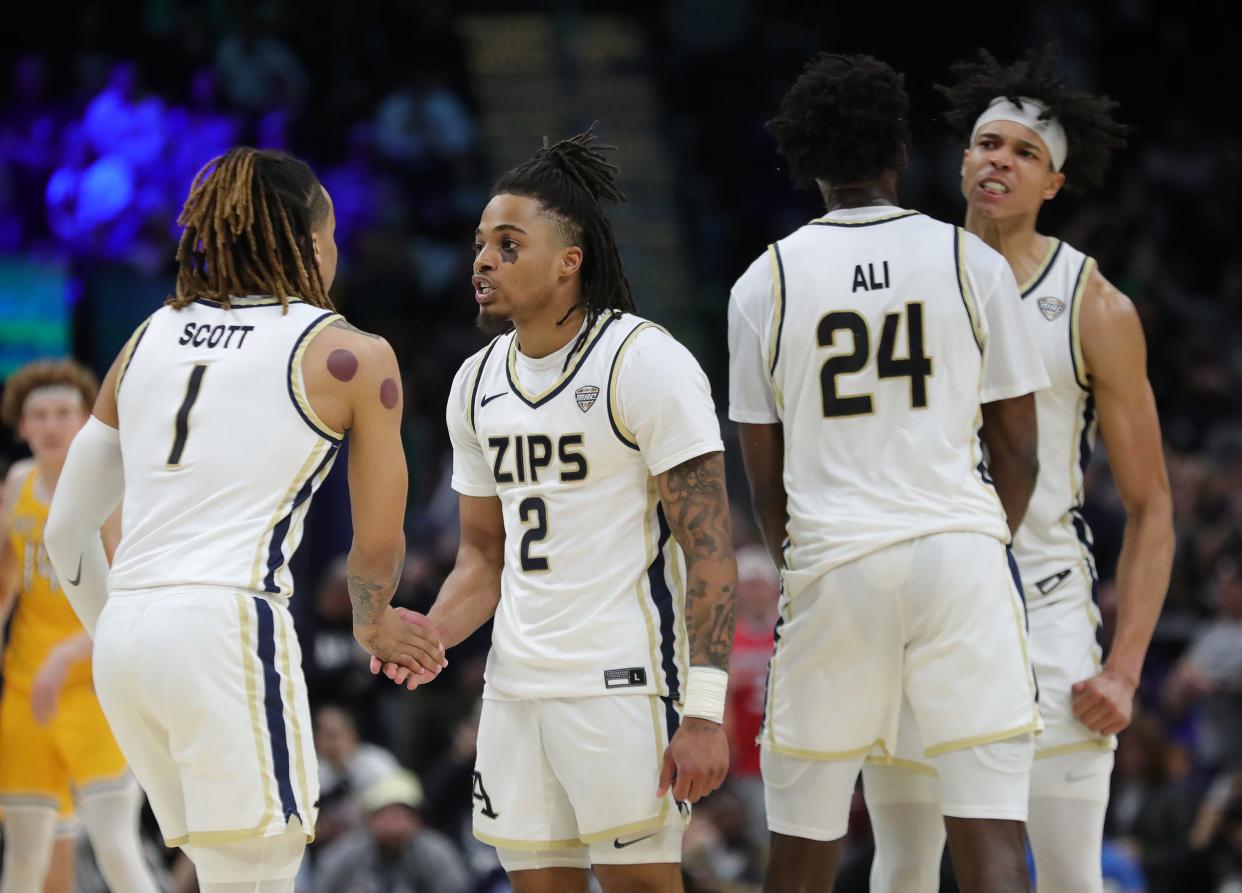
297	382
127	355
651	535
299	479
963	286
785	615
208	838
619	427
248	301
605	320
1076	355
1077	747
473	389
508	844
904	765
778	308
291	705
980	740
249	656
826	755
868	221
1041	271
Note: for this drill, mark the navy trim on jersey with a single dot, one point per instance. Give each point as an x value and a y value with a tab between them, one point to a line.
335	441
985	474
275	549
823	221
272	302
1052	262
780	323
1075	297
274	708
478	377
612	374
613	317
1026	617
142	330
959	264
672	722
663	598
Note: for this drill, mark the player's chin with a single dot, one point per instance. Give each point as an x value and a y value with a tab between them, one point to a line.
491	320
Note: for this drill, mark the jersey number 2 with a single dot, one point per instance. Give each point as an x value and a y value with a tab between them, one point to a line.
916	366
181	426
533	505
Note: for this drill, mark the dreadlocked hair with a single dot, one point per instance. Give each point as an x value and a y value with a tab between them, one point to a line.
247	230
843	121
569	179
1090	128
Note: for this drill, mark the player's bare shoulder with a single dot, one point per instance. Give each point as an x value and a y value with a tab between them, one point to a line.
346	369
1111	330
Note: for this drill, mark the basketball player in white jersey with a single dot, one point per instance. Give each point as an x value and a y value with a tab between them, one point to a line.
216	423
1027	137
595	528
873	353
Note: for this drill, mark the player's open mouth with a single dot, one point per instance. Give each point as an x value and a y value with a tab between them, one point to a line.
993	187
482	288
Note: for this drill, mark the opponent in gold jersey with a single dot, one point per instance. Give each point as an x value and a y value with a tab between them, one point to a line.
56	749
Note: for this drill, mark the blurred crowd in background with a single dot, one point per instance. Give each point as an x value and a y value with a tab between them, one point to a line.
109	110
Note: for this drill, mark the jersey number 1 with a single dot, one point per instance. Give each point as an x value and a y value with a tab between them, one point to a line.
916	366
181	426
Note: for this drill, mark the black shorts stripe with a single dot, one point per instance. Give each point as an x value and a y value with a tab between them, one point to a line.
274	709
663	598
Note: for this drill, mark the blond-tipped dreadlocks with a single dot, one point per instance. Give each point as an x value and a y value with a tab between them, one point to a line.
248	223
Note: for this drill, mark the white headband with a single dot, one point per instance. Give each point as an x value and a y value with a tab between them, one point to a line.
53	390
1049	129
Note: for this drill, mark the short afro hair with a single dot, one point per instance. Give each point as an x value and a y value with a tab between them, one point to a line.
1091	130
844	120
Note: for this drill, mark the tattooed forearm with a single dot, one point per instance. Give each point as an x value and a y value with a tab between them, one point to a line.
369	597
342	323
697	507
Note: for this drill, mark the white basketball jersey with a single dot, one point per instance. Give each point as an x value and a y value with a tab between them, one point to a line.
1054	541
593	588
884	332
221	448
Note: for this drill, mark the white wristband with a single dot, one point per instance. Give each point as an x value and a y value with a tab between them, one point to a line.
705	693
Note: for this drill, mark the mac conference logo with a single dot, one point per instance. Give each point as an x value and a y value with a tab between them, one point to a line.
586	396
1051	308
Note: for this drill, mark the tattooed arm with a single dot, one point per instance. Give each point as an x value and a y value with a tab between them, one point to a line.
697	507
377	490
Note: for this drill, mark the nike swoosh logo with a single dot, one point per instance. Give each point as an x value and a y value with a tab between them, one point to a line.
487	400
78	579
1071	777
619	845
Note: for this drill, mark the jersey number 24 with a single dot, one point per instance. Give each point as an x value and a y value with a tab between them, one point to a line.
916	366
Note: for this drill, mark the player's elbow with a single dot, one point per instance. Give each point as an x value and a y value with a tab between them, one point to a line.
62	535
380	553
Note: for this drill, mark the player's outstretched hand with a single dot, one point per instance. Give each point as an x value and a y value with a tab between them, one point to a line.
1104	703
696	761
412	645
399	674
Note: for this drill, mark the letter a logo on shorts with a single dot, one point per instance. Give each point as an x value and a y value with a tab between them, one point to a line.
480	794
586	396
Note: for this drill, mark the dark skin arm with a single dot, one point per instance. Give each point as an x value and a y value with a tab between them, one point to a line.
697	507
763	454
1011	436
